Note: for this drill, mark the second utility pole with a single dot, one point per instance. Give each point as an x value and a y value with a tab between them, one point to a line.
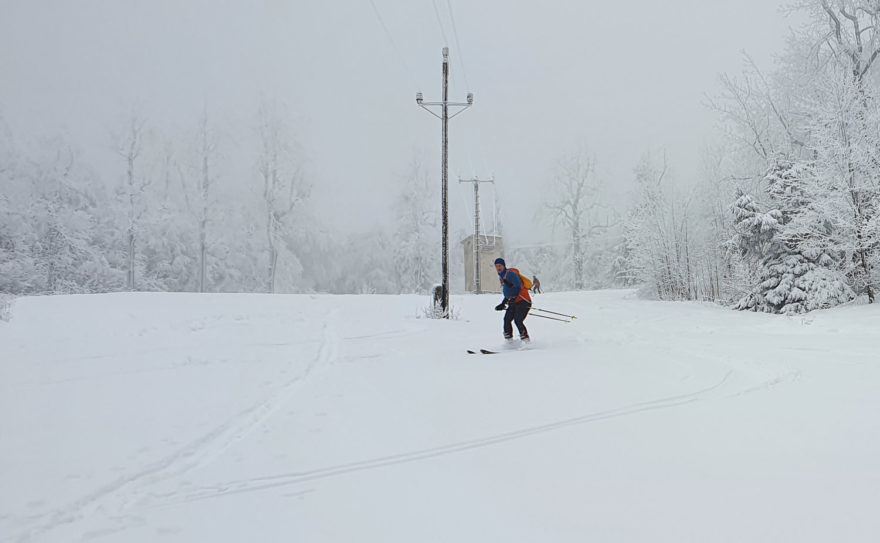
444	116
476	182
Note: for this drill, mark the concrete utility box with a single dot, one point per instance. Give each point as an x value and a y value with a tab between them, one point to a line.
490	249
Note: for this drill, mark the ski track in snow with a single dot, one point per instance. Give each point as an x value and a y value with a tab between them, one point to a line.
114	499
272	481
618	346
131	493
286	479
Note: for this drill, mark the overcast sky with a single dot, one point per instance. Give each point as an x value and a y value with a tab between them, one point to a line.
619	78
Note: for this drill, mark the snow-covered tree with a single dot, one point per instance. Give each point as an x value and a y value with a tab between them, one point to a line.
69	237
814	125
672	237
17	266
575	205
652	249
169	241
199	192
790	246
285	192
130	146
416	237
844	126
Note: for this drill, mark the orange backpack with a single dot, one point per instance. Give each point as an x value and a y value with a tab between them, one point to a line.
527	283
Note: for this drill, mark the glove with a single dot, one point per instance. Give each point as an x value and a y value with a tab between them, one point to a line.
502	306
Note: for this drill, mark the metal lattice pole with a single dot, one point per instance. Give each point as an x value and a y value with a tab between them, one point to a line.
477	242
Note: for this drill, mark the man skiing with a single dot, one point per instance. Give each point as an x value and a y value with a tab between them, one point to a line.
517	301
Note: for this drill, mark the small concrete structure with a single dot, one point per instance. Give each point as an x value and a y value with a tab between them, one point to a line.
491	248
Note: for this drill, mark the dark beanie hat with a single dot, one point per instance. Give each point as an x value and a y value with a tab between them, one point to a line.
500	261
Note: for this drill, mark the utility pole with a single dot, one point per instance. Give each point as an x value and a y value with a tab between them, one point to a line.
476	182
444	117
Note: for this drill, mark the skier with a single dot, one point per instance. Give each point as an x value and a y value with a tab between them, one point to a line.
517	301
536	285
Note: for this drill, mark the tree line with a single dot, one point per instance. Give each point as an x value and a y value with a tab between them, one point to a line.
175	219
783	217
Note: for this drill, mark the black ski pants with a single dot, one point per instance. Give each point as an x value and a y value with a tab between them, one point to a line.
516	312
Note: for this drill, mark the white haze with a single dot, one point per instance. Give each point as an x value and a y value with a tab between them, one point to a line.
617	78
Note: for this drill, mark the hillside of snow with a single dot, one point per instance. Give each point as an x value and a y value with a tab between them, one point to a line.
228	418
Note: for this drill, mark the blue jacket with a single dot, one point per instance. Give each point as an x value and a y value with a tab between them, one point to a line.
511	284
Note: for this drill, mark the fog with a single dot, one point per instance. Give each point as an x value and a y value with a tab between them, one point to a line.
616	78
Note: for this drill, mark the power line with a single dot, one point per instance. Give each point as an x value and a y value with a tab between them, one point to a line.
439	22
461	64
393	43
458	44
443	34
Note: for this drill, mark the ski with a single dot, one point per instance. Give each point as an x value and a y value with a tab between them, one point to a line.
482	351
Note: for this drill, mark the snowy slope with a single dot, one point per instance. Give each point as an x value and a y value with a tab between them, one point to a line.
174	417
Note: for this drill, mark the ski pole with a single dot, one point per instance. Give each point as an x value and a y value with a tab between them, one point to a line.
554	313
551	318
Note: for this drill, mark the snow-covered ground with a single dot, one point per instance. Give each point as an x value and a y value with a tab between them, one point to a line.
175	417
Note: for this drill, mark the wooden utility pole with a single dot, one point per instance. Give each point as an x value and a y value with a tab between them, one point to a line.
444	168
